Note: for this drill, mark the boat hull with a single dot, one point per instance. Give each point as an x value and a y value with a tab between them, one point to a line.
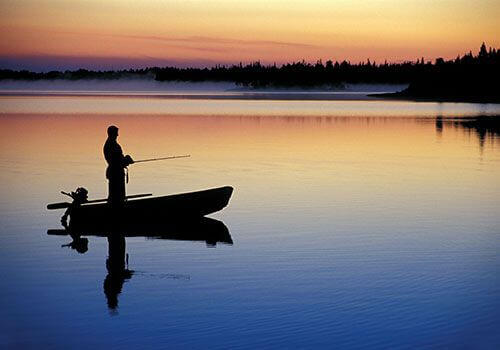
178	207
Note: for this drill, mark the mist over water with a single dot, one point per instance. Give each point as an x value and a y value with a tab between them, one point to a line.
141	86
119	85
364	224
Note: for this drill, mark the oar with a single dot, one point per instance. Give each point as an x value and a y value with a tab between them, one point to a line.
162	158
62	205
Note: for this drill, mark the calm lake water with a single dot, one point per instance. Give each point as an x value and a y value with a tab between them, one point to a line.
355	224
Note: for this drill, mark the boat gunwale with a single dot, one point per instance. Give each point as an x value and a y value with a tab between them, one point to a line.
156	198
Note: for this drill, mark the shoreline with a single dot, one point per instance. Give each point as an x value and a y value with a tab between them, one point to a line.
196	94
399	96
252	95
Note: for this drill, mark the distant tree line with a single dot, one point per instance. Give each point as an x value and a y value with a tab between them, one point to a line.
466	78
77	74
463	71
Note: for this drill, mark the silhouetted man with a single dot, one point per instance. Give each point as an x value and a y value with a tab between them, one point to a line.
115	173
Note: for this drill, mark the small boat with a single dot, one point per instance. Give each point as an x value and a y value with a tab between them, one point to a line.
177	207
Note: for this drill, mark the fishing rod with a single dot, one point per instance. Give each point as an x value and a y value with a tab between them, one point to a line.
162	158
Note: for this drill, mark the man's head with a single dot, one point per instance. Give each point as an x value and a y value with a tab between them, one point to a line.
113	131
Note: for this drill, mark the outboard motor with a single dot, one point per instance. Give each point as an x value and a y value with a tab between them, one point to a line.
79	196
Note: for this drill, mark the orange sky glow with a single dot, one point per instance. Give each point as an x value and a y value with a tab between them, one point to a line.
198	33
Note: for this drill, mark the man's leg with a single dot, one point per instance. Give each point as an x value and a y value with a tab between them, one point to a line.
116	190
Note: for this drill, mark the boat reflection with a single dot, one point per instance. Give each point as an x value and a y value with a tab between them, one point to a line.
204	229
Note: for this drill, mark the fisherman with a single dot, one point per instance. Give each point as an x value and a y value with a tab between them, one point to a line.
115	173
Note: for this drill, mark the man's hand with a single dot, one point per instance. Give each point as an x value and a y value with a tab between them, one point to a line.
128	160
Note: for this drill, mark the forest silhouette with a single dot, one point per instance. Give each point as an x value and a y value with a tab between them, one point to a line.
467	77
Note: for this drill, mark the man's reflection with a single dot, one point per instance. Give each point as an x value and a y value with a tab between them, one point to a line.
117	266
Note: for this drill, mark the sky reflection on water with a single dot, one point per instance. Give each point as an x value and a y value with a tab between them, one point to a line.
354	230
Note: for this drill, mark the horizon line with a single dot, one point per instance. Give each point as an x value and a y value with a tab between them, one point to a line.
46	62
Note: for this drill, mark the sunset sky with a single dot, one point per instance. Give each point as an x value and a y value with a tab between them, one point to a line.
58	34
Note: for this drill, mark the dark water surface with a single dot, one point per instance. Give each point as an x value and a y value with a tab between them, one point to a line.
356	224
